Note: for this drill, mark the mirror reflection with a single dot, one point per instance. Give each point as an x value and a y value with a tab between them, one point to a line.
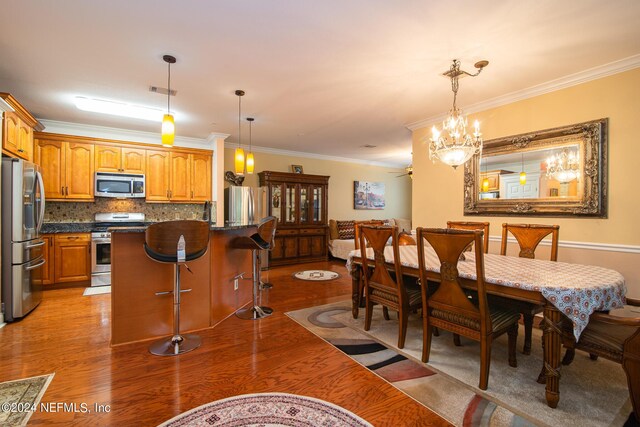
546	173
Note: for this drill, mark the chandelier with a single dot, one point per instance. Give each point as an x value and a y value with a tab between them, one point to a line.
564	166
452	144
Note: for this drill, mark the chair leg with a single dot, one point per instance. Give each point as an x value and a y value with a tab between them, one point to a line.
368	314
631	366
403	318
593	356
528	329
385	312
568	356
426	341
436	332
485	362
512	335
456	340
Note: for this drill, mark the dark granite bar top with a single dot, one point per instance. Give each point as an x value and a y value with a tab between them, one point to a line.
86	227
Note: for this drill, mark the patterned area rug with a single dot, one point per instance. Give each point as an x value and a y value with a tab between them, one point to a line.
316	275
267	409
448	383
20	398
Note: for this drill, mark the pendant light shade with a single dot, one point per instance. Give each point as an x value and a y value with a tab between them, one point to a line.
168	125
523	174
239	154
250	162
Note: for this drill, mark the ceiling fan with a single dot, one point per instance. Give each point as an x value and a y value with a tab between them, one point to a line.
408	171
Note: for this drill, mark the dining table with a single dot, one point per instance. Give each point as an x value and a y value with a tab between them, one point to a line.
568	290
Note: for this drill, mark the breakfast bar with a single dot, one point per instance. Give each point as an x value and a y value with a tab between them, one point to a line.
138	314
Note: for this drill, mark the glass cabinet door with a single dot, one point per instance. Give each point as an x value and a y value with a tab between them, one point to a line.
304	205
290	204
276	201
318	202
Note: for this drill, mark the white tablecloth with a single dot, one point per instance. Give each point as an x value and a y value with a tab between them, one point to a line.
575	290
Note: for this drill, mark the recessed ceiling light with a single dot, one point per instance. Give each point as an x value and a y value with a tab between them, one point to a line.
368	146
119	109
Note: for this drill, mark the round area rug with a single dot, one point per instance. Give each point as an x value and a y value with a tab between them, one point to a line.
316	275
267	409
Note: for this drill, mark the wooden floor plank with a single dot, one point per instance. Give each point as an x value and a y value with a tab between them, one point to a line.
69	334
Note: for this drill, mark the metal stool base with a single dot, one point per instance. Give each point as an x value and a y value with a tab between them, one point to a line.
254	313
167	346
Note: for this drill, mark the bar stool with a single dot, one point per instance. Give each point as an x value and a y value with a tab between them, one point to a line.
263	240
176	242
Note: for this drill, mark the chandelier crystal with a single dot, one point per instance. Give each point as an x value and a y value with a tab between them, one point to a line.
452	144
564	166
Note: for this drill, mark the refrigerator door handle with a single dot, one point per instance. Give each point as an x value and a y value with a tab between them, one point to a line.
33	267
42	202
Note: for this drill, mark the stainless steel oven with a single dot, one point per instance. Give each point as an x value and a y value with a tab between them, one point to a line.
101	243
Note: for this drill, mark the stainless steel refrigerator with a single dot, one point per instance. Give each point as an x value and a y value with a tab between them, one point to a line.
22	247
244	205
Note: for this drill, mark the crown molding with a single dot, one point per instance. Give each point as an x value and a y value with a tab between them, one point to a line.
4	106
279	152
595	73
77	129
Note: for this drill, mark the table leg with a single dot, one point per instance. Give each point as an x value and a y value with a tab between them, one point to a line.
552	348
355	290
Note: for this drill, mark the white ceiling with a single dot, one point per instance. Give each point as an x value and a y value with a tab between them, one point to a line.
323	77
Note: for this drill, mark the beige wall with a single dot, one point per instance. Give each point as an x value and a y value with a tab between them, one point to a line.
438	189
397	190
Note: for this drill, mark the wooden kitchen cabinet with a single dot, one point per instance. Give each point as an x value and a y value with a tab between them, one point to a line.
157	178
493	177
300	203
47	269
111	158
200	177
18	126
180	180
72	257
178	176
67	169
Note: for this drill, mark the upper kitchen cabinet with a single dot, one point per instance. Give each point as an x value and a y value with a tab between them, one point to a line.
18	126
67	168
178	176
111	158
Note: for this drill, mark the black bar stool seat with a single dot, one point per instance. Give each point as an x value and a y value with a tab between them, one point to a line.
263	240
176	242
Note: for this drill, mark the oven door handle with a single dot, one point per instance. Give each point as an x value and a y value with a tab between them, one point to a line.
33	267
101	241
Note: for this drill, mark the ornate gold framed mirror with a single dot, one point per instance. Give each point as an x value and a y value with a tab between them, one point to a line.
553	172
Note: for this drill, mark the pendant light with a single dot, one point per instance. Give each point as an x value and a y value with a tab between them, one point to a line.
250	162
239	154
523	174
168	125
485	181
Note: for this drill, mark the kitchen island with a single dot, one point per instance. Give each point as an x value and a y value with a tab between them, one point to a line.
138	314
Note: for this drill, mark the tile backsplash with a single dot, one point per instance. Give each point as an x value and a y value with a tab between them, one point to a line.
154	212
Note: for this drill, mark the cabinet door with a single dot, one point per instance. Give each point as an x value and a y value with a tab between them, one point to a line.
200	177
25	141
157	179
278	248
108	159
304	246
275	201
290	204
49	258
305	195
72	258
133	160
79	165
318	246
50	156
317	208
290	247
180	188
11	138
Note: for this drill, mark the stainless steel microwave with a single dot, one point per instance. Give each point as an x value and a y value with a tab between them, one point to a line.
122	185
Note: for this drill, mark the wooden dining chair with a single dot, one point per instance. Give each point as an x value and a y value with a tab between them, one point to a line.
528	237
406	239
449	308
471	225
379	286
615	336
356	230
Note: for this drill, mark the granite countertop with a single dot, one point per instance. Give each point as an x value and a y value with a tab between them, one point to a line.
86	227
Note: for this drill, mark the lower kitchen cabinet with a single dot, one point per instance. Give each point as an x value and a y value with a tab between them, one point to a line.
67	258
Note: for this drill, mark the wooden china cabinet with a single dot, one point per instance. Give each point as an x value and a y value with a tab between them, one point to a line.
300	203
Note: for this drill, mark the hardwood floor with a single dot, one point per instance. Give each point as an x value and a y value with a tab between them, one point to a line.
68	334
